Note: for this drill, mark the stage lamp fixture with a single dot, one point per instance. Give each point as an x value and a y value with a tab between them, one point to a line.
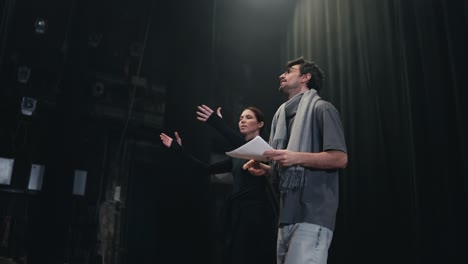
94	40
23	74
6	170
40	26
28	106
98	89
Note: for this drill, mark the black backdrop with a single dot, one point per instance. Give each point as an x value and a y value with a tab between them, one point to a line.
397	72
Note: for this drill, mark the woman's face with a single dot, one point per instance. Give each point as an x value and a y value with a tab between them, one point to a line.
249	125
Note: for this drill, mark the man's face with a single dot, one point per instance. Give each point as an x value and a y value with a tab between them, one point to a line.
290	79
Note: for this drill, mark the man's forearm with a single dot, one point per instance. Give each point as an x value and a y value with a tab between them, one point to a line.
326	160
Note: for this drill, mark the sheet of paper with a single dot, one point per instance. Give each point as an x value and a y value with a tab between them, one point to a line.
251	150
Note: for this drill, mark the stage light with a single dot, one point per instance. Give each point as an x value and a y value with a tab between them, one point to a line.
28	106
36	177
98	89
6	170
94	40
79	182
23	74
117	194
40	26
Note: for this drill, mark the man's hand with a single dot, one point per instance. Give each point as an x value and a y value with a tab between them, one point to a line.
284	157
325	160
204	112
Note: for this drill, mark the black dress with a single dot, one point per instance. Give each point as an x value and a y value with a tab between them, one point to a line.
249	216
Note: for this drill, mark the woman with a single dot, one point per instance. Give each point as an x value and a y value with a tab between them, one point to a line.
251	221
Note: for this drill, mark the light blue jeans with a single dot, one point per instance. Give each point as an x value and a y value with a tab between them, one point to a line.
303	243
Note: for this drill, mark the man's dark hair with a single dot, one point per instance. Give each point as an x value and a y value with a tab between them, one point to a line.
311	67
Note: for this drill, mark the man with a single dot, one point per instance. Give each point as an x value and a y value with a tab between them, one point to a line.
309	149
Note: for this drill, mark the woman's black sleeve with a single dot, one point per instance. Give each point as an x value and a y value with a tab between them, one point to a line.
186	157
235	139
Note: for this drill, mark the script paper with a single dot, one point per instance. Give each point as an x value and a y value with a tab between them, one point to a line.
251	150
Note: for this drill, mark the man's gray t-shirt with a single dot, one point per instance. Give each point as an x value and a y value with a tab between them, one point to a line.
317	201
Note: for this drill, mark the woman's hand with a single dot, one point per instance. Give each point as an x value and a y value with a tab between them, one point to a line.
256	168
204	112
167	140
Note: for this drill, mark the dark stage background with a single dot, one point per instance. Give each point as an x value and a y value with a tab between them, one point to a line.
109	76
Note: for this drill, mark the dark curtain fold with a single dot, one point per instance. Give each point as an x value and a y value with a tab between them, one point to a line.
396	70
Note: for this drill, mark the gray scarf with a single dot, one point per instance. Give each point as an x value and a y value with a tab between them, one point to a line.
293	177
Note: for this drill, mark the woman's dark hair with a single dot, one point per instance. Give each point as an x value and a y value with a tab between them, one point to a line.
258	114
